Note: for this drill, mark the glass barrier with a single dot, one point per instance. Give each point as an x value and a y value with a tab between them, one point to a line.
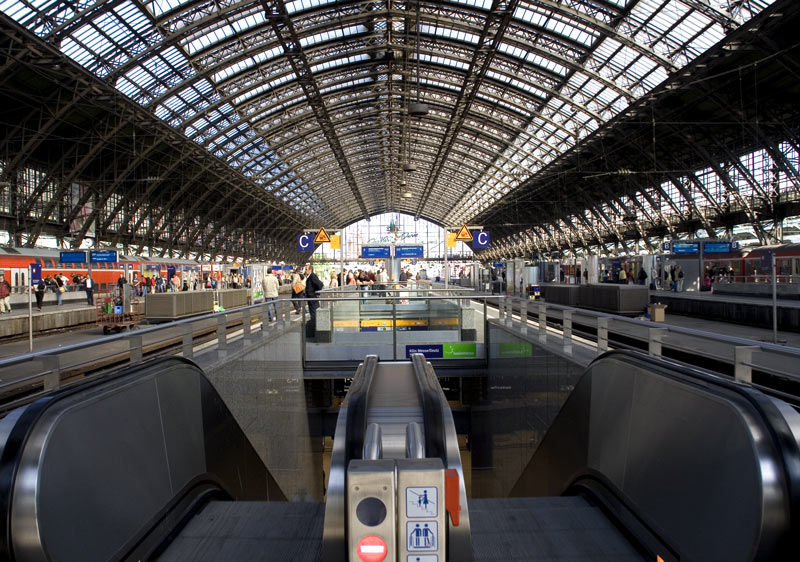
395	320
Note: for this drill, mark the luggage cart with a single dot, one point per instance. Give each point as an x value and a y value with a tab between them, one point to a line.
116	311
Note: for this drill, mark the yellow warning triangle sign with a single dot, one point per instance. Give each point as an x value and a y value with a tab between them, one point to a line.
464	235
322	237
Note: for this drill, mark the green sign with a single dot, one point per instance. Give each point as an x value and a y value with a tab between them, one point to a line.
459	350
516	349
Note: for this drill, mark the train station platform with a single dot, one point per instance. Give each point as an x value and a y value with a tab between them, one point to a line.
741	310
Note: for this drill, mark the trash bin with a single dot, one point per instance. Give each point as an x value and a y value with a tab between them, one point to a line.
657	312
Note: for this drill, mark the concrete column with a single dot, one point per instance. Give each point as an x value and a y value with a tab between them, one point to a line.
602	334
743	362
655	337
188	348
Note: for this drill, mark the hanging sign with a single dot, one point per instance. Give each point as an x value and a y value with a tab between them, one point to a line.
322	237
464	235
481	240
305	243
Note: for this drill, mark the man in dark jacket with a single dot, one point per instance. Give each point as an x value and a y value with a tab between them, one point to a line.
313	285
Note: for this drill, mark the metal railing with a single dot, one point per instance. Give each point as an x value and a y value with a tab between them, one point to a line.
41	371
571	328
744	356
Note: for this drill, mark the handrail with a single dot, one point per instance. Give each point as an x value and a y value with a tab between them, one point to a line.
775	430
357	408
431	409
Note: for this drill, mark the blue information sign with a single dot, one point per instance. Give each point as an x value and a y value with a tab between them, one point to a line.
305	242
685	248
375	252
36	273
429	351
408	252
72	257
716	247
104	256
480	239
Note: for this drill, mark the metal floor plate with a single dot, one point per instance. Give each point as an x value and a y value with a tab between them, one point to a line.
250	532
559	529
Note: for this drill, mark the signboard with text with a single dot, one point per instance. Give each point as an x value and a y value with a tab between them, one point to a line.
716	247
480	240
72	257
685	248
305	243
408	252
375	252
103	256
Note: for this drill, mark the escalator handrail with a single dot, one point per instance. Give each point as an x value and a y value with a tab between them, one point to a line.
357	408
431	408
28	416
786	442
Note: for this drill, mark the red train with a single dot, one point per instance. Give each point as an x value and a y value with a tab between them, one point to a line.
14	264
754	265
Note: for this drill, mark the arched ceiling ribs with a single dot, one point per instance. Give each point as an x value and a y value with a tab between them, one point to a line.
284	29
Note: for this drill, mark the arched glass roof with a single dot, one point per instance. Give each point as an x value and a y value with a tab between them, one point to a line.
310	98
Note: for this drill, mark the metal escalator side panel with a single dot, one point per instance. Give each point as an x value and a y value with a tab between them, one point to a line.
441	429
695	461
124	446
348	443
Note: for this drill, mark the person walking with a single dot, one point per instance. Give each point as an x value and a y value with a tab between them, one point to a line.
5	295
270	285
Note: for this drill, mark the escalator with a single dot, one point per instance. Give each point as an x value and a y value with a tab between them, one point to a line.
646	460
650	459
110	469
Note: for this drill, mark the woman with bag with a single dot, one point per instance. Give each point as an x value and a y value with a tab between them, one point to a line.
60	289
298	290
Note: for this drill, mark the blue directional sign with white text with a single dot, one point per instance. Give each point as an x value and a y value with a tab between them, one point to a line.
376	252
36	273
716	247
104	256
72	257
408	252
305	242
480	239
685	248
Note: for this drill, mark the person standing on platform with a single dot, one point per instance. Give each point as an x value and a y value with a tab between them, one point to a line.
60	289
642	276
88	286
270	285
679	278
623	276
298	290
334	281
313	286
5	295
40	288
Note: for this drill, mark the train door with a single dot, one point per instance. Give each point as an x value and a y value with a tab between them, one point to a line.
19	278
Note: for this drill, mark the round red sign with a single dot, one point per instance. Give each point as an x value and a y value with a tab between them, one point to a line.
371	549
